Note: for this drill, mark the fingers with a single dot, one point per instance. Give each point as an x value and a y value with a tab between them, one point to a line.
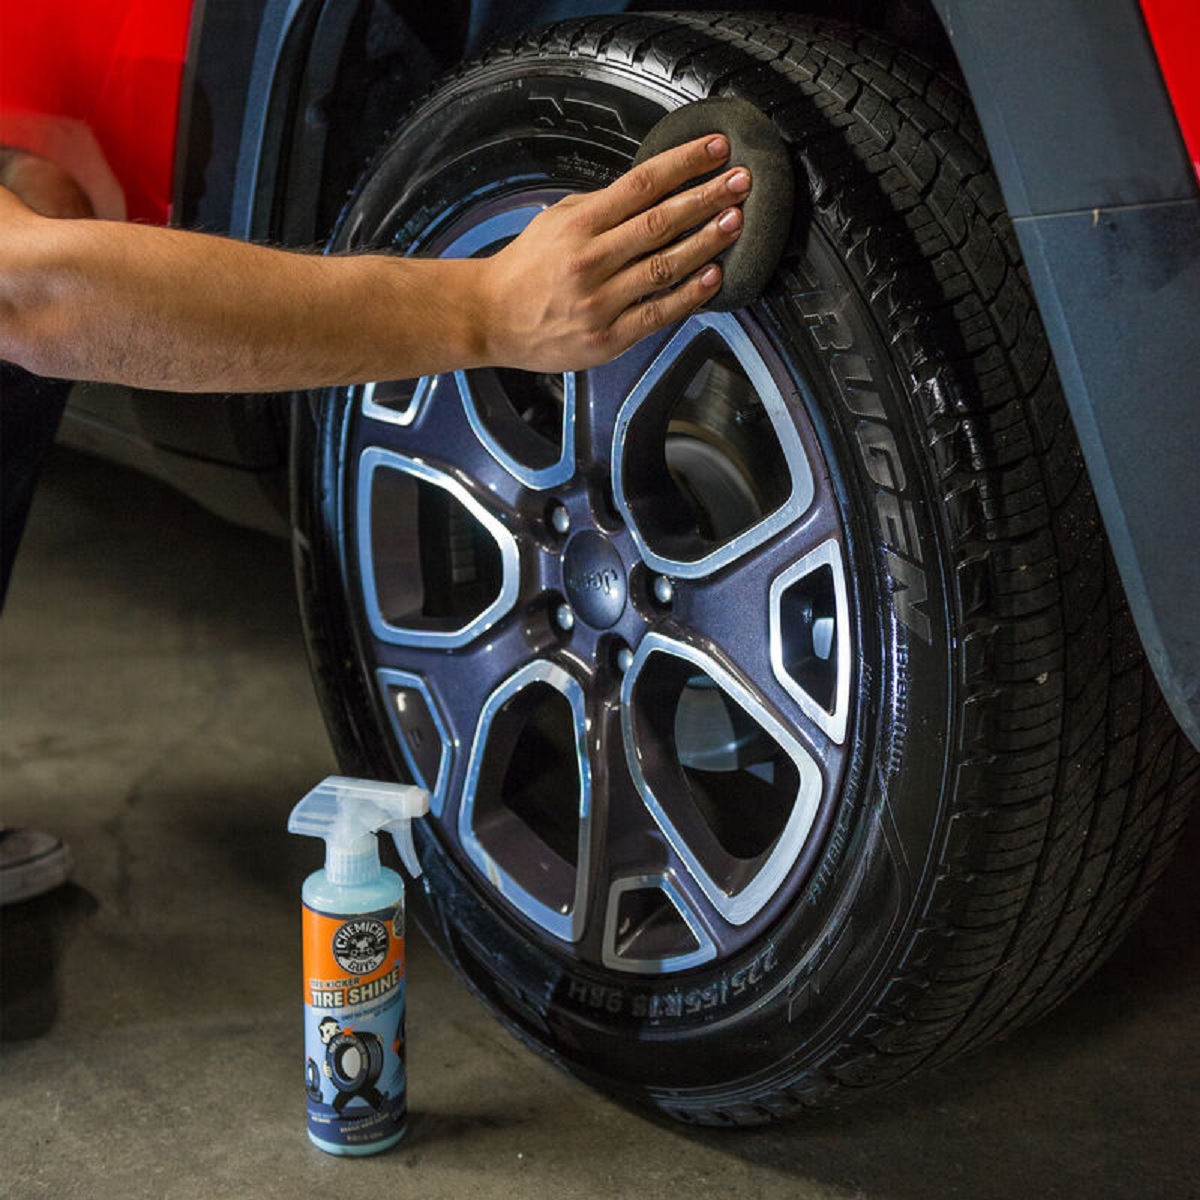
657	177
664	222
665	308
645	294
613	260
665	267
43	185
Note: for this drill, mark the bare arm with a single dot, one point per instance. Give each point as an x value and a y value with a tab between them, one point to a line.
164	308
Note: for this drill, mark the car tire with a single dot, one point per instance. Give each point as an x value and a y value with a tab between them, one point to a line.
785	724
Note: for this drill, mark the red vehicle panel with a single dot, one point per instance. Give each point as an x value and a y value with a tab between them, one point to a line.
95	85
1175	30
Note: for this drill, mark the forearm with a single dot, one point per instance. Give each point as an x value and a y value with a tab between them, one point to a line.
102	301
185	312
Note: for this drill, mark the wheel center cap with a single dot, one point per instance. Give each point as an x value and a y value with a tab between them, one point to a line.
594	579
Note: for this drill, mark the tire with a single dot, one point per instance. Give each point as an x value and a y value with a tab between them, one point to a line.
785	724
355	1060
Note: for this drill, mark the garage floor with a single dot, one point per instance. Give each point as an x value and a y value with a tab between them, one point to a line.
157	714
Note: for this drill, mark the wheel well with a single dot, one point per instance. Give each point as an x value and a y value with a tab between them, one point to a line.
367	62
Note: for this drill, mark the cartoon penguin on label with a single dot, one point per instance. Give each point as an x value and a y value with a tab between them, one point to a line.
353	1063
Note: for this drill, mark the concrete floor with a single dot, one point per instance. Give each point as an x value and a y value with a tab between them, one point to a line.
157	714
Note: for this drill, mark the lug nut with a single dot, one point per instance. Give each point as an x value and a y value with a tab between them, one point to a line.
624	659
564	618
560	519
664	590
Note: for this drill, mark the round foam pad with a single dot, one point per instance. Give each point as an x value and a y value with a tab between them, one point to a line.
755	144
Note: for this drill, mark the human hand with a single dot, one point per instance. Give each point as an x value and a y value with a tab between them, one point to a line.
42	185
598	271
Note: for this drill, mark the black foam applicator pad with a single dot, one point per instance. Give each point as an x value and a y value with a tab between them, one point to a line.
756	145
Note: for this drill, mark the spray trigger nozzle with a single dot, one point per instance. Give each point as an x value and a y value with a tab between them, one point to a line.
347	813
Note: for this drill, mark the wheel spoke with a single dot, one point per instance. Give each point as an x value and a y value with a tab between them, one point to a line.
416	417
780	619
444	599
655	923
640	919
525	420
430	423
731	788
707	460
526	816
605	389
434	698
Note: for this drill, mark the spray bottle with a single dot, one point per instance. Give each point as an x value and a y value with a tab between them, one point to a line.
354	963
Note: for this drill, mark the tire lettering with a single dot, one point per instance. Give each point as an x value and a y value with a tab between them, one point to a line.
891	519
558	108
826	318
677	1003
596	996
828	324
910	591
880	456
852	373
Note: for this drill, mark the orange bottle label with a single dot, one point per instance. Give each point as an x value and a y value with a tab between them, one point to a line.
351	961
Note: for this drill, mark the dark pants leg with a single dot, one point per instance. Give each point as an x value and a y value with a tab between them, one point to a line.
30	410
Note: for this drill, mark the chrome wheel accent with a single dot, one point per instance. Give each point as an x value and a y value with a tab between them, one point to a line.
526	858
718	486
810	637
420	732
396	596
737	886
648	925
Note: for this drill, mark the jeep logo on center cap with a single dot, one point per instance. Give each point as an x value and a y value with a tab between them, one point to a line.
594	579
